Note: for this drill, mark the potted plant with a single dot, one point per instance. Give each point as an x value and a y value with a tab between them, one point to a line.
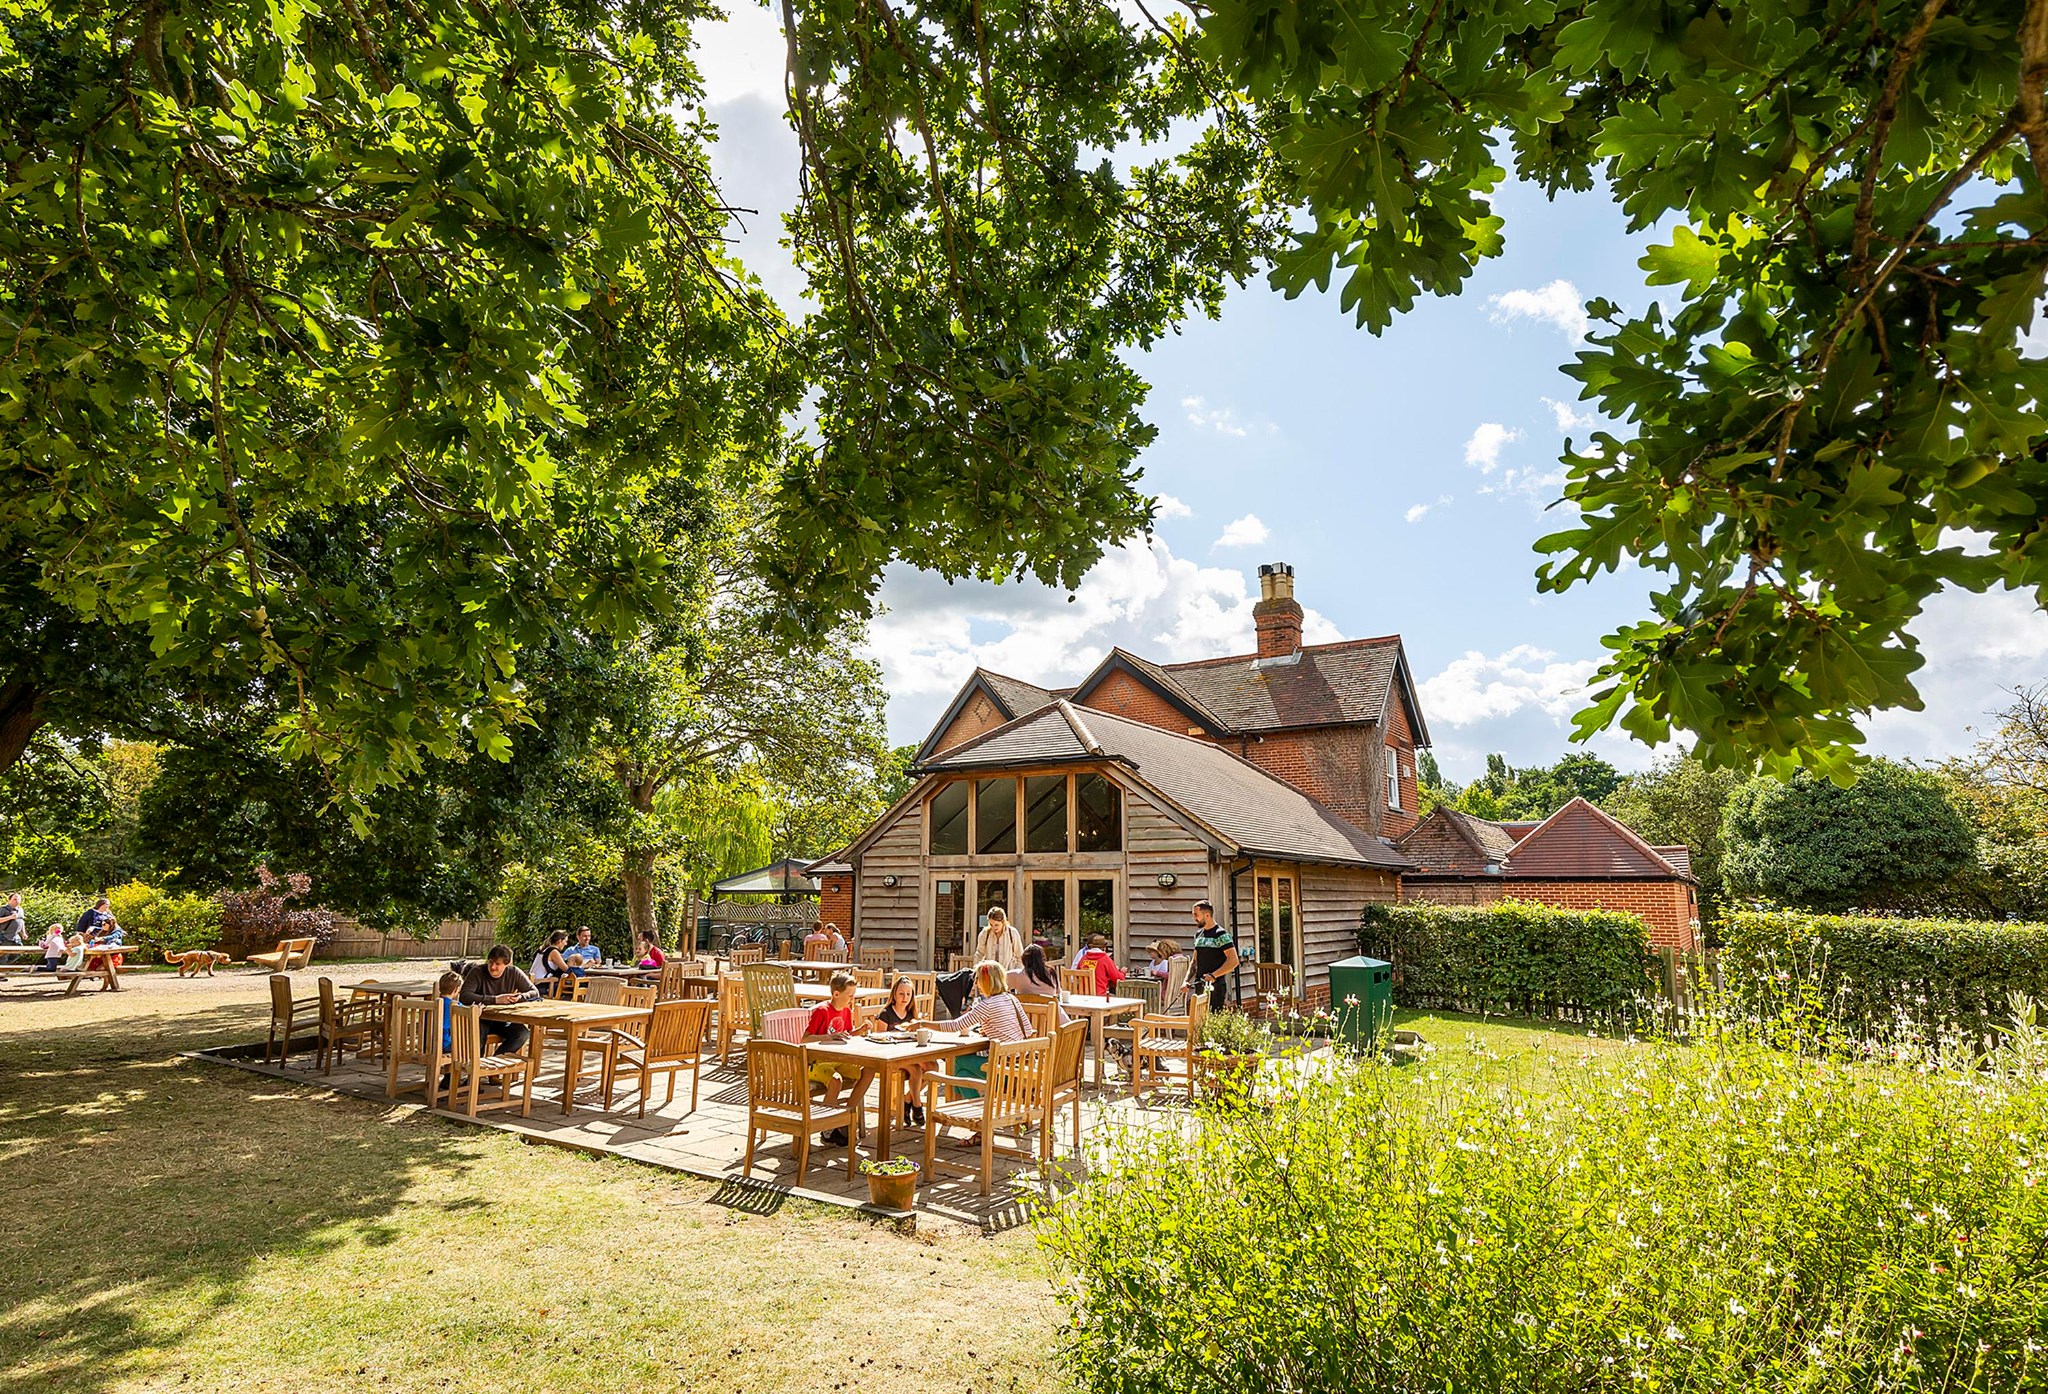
892	1183
1228	1050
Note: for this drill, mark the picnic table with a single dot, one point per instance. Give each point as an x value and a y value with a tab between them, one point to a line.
888	1059
390	989
108	971
572	1019
1100	1011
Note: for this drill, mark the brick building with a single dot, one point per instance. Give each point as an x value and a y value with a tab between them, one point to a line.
1271	784
1578	858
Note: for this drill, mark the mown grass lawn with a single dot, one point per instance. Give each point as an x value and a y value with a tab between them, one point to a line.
176	1224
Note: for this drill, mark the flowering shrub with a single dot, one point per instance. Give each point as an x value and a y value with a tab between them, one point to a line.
1513	957
257	919
1726	1217
1883	977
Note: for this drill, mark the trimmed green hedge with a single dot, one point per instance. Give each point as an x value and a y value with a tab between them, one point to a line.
1513	958
1874	974
536	902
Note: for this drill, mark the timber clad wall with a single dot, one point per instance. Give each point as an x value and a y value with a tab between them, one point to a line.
1331	897
1667	907
889	914
1155	842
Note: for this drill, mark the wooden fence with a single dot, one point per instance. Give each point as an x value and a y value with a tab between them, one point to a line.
452	939
1686	981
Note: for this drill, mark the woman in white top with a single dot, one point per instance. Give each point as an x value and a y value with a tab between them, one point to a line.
1000	941
549	964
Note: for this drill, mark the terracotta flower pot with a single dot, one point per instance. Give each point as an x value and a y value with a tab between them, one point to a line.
1220	1074
893	1192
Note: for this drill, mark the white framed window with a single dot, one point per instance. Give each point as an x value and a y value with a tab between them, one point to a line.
1393	776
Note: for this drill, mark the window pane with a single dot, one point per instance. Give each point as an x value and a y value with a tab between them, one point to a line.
1045	813
1283	914
1098	814
1049	919
1095	908
1269	951
995	815
949	917
949	821
990	895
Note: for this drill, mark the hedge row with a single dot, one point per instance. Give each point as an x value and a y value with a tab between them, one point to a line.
1874	975
536	902
1513	957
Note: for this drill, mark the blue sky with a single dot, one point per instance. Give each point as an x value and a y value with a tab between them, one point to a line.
1404	477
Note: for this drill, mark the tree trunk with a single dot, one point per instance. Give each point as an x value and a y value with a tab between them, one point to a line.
636	868
21	716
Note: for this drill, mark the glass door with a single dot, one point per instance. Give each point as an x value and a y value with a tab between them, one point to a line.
990	895
1095	913
949	922
1048	923
1279	936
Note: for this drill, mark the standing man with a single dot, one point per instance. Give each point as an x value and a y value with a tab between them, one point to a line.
1000	942
13	923
1215	956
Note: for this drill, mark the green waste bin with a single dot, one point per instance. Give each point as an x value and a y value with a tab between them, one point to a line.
703	932
1362	999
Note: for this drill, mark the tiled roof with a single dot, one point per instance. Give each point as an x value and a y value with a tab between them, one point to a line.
1580	840
1018	697
1679	857
1494	840
1251	810
1326	685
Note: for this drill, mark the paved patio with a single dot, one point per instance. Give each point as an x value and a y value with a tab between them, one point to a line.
711	1142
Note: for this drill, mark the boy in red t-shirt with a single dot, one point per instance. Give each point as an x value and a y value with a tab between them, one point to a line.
1096	956
835	1020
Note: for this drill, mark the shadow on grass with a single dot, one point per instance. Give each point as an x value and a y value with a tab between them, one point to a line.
151	1188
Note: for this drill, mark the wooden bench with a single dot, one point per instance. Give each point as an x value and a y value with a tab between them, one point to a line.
109	977
289	954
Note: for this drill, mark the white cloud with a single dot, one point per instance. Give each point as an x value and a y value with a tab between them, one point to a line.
1977	648
1222	420
1479	688
1247	531
742	55
1171	507
1484	448
1558	303
1420	510
1141	596
1568	418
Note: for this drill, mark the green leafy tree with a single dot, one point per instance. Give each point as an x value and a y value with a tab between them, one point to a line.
1890	840
1538	791
1828	396
2002	788
1682	801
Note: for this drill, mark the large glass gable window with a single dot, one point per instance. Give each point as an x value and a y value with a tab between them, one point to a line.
1045	813
1098	814
949	821
995	815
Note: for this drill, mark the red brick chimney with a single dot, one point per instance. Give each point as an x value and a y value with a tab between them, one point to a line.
1278	614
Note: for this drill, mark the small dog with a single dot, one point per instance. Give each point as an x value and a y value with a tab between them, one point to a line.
193	962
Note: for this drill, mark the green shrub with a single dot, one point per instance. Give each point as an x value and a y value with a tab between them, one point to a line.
1513	957
536	901
176	923
1875	977
1654	1217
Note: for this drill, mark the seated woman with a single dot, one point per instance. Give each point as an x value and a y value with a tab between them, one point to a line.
651	955
1034	975
835	1020
1164	952
995	1012
549	964
899	1013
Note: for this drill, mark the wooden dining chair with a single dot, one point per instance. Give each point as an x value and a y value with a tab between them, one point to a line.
1077	982
733	1024
770	988
286	1017
927	989
1014	1095
870	977
470	1069
880	956
779	1101
742	954
603	1045
1069	1060
1176	983
955	962
675	1039
1043	1016
415	1040
1116	1037
1275	980
359	1023
1163	1049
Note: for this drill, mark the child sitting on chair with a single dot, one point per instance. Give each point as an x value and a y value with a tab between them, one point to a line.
448	988
835	1021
